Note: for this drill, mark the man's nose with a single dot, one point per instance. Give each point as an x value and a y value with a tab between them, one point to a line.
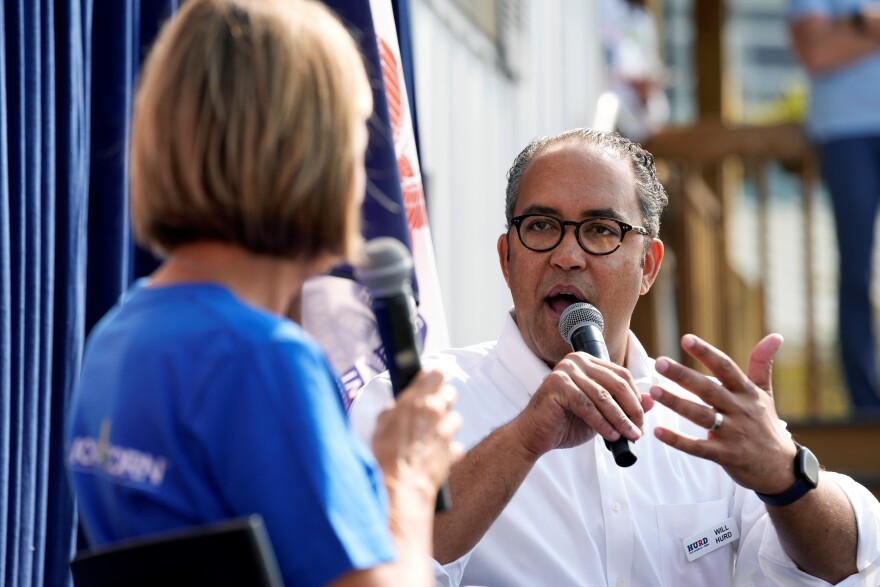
568	254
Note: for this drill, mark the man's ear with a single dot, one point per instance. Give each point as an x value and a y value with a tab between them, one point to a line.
651	266
503	245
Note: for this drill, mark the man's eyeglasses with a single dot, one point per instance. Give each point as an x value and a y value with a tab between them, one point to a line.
597	236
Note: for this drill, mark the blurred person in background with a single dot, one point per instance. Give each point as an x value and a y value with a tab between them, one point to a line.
634	70
198	401
838	41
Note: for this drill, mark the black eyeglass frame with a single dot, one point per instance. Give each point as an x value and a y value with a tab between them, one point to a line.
624	228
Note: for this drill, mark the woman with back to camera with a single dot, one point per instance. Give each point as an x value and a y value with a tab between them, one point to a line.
197	400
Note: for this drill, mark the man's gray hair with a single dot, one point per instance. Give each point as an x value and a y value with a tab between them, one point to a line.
651	193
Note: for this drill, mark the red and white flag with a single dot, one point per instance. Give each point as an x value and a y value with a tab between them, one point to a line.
335	308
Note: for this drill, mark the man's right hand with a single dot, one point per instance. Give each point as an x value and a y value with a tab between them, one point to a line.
583	396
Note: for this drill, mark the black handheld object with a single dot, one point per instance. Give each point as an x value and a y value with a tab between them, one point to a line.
581	325
386	273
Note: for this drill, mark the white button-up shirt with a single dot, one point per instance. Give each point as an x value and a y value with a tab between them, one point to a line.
580	520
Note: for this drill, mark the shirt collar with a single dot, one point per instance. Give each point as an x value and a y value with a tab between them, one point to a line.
518	358
640	365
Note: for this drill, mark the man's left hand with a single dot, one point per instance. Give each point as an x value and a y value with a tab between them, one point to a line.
749	442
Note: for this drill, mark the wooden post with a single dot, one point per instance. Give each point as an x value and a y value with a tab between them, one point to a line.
709	58
814	381
763	237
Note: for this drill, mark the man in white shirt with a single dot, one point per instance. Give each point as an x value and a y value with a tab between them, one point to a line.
526	513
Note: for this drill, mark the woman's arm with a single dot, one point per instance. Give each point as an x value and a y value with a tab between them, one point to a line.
413	444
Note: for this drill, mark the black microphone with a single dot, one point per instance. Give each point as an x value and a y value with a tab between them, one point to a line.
386	273
581	325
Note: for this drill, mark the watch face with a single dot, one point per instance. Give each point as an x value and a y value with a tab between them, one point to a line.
808	466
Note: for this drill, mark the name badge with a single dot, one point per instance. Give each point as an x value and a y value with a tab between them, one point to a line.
710	540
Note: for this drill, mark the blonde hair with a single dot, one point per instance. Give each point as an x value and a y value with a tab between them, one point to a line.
245	130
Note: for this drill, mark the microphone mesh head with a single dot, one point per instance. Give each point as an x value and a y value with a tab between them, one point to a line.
388	267
577	315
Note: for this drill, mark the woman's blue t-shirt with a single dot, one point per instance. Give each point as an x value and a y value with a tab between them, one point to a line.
194	407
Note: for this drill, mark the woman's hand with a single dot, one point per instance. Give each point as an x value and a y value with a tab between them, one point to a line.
413	438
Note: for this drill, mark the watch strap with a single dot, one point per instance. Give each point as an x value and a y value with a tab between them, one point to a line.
790	495
805	481
857	20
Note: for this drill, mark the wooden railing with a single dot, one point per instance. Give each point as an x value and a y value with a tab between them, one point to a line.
703	168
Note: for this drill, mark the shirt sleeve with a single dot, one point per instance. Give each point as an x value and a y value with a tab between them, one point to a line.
450	574
763	561
370	401
282	447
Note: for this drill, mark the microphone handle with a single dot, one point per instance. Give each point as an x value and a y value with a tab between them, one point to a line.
589	340
622	449
397	331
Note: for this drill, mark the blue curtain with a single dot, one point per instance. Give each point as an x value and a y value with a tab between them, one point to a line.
43	166
123	32
67	70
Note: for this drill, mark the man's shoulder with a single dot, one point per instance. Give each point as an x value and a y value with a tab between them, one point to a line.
458	366
453	361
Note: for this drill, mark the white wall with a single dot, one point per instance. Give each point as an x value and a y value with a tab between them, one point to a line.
473	120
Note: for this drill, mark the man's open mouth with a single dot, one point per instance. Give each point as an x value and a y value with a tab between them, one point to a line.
561	298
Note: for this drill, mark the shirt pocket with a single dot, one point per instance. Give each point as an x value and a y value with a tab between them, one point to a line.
676	523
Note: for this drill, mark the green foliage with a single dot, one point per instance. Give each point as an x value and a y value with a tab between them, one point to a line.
788	107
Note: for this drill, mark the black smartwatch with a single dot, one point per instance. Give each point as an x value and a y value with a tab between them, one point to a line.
857	20
806	470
